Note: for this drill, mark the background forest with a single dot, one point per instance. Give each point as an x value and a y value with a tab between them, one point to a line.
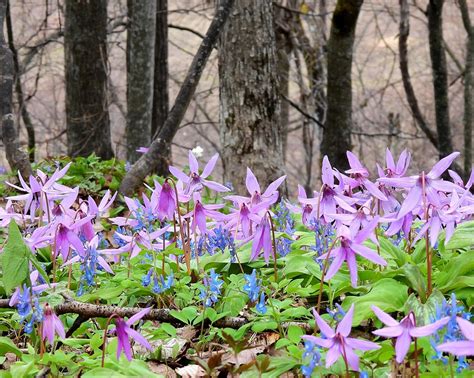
101	77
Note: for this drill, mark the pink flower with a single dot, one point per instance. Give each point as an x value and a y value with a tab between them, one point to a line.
51	324
125	332
338	342
262	240
404	330
166	202
464	347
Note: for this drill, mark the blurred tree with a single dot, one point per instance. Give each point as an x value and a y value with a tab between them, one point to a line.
250	104
17	158
85	49
160	82
140	73
337	132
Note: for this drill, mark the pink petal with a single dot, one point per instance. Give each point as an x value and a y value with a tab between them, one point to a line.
458	348
209	166
327	172
361	344
323	326
345	325
442	165
429	329
368	253
411	201
332	355
193	163
178	174
274	186
402	345
339	257
372	188
139	338
394	331
352	265
467	328
135	318
384	317
352	359
354	162
325	343
215	186
58	326
389	160
251	182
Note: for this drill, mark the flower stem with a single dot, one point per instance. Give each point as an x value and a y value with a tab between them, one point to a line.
323	273
427	241
417	372
105	336
275	269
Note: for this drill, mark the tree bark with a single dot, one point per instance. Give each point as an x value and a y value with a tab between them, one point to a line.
17	158
162	141
25	115
85	47
141	58
160	83
468	89
409	91
250	105
440	76
337	133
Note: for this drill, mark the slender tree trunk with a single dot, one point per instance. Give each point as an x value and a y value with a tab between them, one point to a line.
468	89
160	86
149	161
249	100
85	46
17	158
25	115
440	76
141	58
337	133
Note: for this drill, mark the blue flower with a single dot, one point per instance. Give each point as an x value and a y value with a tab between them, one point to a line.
337	314
220	239
146	279
312	357
212	289
252	287
260	307
283	223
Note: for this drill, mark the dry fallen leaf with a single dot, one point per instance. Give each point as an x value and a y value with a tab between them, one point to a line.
162	369
191	371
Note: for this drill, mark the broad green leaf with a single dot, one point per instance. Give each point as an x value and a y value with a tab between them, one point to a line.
295	333
416	279
264	325
387	294
15	258
7	346
463	236
461	265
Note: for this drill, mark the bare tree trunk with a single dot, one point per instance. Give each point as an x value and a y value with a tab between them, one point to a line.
149	161
85	47
440	76
468	89
25	115
160	86
250	104
141	58
17	158
337	133
409	91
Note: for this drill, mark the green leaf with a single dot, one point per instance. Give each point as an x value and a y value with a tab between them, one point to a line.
15	258
462	265
395	252
416	279
295	333
38	267
169	329
387	294
7	346
102	372
463	236
264	325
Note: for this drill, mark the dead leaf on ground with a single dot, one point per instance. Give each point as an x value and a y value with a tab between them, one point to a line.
162	369
191	371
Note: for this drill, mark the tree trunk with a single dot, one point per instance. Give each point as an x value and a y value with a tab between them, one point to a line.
25	115
17	158
141	58
160	83
85	47
468	89
440	76
249	100
150	160
337	133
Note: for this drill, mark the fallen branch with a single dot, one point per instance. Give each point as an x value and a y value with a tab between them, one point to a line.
88	310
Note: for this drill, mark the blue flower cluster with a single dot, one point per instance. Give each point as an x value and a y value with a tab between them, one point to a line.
89	269
323	237
211	290
312	357
220	239
144	217
252	288
284	223
337	313
29	309
451	332
160	285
